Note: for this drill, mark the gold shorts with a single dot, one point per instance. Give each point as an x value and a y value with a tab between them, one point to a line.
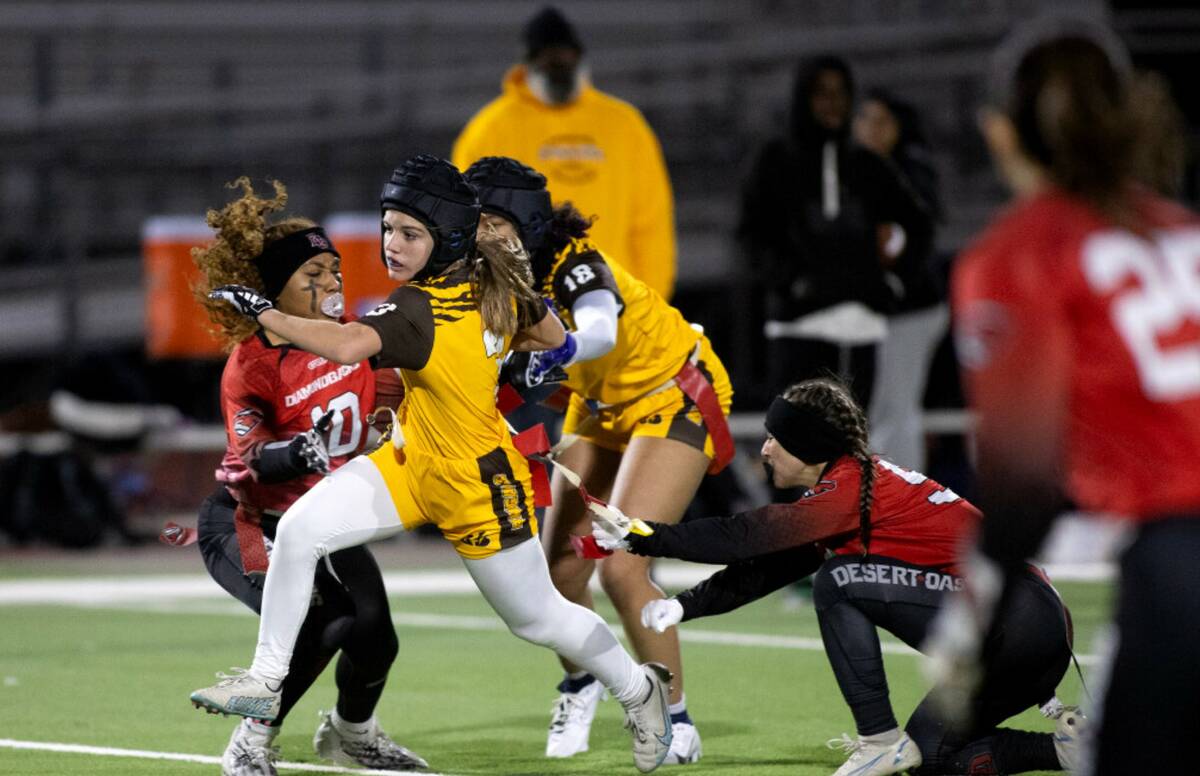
481	505
667	414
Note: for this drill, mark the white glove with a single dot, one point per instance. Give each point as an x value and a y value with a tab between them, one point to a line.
610	535
662	613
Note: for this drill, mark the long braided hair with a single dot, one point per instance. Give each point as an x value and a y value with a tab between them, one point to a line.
834	402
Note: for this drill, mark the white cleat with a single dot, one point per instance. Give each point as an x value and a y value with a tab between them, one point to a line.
240	693
249	753
649	720
876	759
685	744
377	750
1067	731
571	721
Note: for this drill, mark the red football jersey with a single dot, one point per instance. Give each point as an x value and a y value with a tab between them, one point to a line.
271	394
1080	345
913	518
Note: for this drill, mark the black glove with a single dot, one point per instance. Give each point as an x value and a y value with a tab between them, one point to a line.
246	300
305	453
524	370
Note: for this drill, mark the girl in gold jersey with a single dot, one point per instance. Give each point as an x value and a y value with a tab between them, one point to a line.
648	408
451	462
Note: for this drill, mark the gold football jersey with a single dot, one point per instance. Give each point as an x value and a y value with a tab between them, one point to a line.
653	339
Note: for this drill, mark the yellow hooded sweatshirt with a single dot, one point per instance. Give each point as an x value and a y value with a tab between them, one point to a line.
597	152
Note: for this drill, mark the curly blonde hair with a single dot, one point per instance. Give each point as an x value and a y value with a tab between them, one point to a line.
242	233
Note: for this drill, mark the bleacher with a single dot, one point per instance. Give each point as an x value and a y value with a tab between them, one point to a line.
114	111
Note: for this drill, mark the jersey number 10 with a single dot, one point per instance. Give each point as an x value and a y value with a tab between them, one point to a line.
343	406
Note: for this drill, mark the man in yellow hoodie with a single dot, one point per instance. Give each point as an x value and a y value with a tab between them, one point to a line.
595	150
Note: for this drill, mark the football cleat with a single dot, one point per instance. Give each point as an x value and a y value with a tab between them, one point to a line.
571	721
1067	731
649	720
249	753
240	693
876	759
685	744
375	750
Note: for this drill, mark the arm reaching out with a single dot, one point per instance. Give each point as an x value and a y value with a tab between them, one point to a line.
343	343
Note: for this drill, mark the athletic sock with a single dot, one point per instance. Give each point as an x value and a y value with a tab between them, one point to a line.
575	682
258	733
886	738
679	713
637	690
355	731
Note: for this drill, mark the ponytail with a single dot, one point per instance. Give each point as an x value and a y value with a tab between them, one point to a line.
499	275
1084	115
834	402
566	224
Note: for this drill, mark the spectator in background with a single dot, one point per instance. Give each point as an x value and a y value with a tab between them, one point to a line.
597	151
813	210
891	129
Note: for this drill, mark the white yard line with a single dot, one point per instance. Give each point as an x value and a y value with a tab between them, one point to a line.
196	594
203	759
453	581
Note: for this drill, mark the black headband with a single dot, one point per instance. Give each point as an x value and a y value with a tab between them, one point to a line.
804	433
281	258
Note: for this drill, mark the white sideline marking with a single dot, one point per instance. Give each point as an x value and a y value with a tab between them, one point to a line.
203	759
163	594
176	587
492	623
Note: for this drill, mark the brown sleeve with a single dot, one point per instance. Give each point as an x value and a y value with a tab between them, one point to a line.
405	326
580	273
531	313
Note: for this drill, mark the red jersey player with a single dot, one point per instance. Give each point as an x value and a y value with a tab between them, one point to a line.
883	542
1078	327
290	418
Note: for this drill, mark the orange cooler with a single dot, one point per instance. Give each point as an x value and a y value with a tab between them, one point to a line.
176	325
365	280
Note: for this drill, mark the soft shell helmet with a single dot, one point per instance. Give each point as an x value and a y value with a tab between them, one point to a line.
435	193
515	191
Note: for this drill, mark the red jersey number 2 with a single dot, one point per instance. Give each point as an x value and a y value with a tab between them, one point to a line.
344	407
1165	298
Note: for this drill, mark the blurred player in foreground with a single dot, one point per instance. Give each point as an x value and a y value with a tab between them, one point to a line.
883	544
1077	318
450	461
642	441
272	396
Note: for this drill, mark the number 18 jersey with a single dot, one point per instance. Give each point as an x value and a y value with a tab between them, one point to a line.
1080	343
273	393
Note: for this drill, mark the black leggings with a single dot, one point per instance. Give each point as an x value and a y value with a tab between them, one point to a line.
1151	710
352	616
1027	656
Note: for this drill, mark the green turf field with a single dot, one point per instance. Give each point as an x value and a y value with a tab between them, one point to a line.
464	694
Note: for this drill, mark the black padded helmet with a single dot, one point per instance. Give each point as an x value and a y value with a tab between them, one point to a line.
517	192
435	193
